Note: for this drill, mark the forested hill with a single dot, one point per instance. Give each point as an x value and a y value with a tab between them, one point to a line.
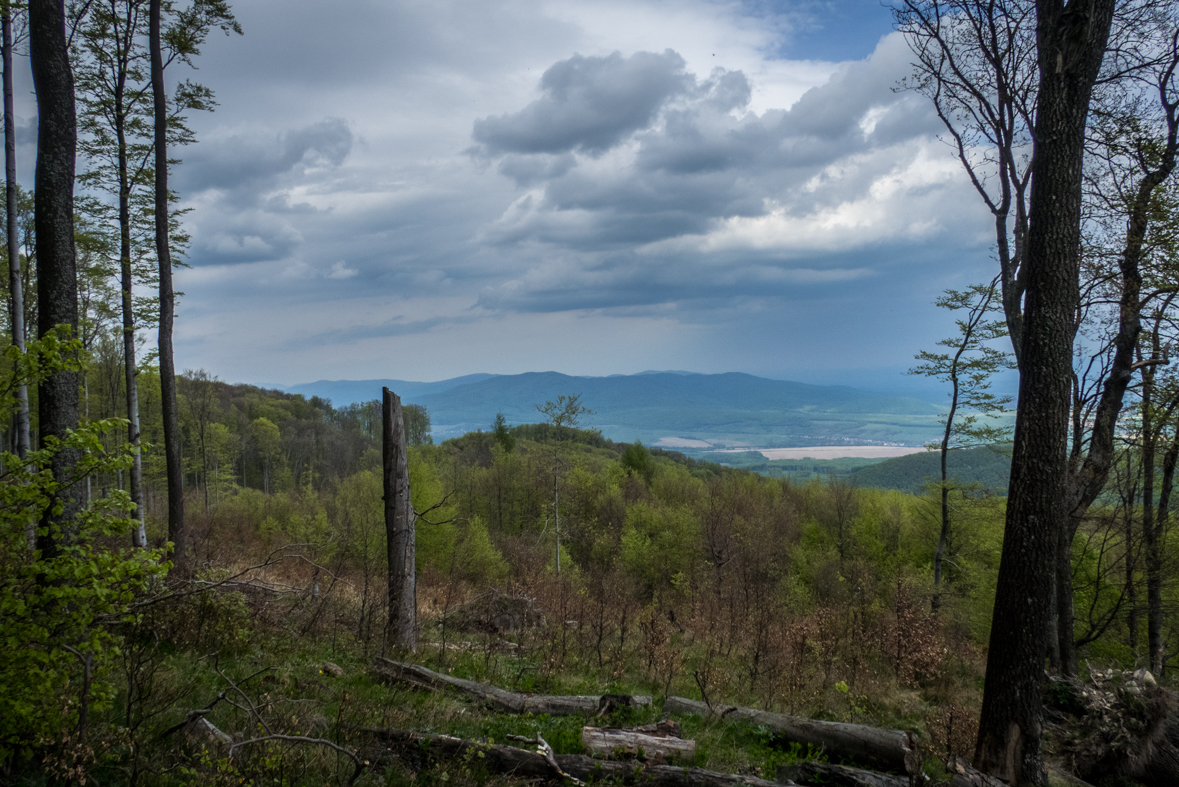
983	467
723	408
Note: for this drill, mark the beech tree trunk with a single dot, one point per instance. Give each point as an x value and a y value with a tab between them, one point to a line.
57	278
608	741
16	301
402	628
892	750
168	401
15	288
1071	43
130	367
505	701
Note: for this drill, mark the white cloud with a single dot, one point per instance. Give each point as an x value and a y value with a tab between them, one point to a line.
340	271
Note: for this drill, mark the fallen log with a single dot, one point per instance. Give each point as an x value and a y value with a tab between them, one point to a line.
508	701
889	750
837	776
522	763
607	742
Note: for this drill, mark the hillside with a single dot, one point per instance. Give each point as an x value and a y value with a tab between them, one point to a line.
723	409
983	466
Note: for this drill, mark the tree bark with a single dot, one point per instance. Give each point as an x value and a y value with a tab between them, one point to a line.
501	700
402	628
57	278
168	400
1071	44
607	741
892	750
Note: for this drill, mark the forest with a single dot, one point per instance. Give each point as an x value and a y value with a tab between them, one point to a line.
198	580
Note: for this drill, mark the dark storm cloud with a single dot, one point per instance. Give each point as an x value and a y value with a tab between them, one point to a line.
253	217
394	327
250	163
589	104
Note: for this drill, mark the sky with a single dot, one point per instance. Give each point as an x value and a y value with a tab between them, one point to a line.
421	189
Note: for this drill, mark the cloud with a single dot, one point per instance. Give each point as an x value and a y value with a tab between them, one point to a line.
340	271
451	161
697	197
589	104
249	163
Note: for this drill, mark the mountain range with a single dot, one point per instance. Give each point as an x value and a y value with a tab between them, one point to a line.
665	408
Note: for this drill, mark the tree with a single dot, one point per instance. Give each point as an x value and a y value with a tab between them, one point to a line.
11	202
637	459
565	412
976	62
183	40
115	121
268	439
417	424
200	395
1071	44
503	437
401	630
968	368
57	281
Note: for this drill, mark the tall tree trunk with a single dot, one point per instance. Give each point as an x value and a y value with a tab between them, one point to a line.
15	285
1154	561
130	368
1071	43
168	401
57	278
944	536
402	628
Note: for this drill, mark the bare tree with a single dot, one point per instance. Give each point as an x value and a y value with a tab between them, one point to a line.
976	61
968	368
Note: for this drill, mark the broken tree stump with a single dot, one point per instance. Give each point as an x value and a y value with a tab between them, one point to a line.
506	701
889	750
653	747
530	764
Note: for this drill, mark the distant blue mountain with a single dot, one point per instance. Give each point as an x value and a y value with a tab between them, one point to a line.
345	392
724	409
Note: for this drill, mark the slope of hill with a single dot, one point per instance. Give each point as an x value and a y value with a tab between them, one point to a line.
983	466
723	409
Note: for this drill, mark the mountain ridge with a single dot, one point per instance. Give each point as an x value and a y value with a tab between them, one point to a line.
732	408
